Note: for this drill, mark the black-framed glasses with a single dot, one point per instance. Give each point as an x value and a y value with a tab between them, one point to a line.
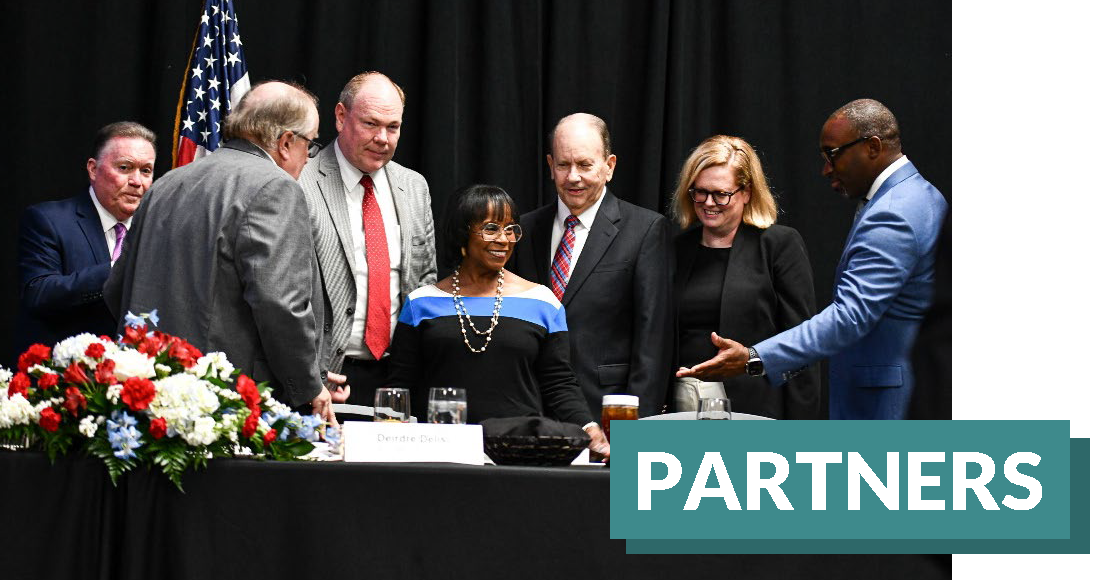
492	232
720	197
829	155
313	146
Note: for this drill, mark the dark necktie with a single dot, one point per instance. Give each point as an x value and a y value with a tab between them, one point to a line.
378	316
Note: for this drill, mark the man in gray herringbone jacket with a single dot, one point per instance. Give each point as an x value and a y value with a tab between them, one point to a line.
373	230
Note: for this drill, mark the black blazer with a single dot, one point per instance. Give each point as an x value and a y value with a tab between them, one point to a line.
768	288
618	305
63	264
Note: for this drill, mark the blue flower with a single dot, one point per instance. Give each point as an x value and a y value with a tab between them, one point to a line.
122	434
133	320
154	316
333	436
309	427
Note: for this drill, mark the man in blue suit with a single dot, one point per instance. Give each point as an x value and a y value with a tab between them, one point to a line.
884	280
66	247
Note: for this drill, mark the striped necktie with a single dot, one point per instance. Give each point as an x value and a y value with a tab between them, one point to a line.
560	266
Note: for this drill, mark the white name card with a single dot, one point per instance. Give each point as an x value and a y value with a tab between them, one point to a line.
378	442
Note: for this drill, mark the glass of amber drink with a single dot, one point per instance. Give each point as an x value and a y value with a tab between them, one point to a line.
617	407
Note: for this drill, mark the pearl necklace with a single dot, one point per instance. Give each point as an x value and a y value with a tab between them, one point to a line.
461	311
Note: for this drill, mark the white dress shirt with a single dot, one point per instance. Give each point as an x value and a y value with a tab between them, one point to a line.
108	222
581	230
355	194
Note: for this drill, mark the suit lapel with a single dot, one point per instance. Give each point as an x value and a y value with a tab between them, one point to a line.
600	239
404	214
334	196
898	176
541	242
88	218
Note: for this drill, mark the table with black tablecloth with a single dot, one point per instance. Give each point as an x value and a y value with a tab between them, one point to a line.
243	518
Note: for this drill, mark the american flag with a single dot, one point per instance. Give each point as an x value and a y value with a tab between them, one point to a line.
215	81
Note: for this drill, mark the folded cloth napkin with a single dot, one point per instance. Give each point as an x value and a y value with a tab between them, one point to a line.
531	426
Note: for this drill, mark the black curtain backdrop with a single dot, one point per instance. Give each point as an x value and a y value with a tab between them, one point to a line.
485	81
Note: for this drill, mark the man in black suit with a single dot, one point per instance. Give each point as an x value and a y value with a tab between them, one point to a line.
66	247
609	263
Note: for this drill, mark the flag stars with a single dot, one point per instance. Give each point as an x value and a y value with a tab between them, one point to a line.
198	92
208	40
187	125
236	40
214	83
209	61
201	115
196	71
233	58
215	103
205	19
205	136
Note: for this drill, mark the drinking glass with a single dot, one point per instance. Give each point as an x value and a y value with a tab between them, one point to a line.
392	405
447	405
714	408
617	407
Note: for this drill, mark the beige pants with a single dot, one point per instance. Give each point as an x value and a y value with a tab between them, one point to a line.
689	390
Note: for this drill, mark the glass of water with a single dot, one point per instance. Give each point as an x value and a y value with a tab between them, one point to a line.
448	406
392	405
714	408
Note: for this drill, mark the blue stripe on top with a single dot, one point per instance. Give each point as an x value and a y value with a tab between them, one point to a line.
537	306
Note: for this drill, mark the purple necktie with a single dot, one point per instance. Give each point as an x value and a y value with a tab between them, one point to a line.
119	236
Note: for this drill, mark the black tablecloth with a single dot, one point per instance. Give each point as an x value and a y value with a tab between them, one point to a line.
249	519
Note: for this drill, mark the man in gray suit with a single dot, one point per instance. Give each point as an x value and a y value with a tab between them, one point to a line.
374	232
222	249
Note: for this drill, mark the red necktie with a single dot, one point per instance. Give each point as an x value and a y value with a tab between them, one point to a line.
378	317
560	266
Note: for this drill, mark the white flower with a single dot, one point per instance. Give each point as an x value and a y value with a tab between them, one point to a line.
163	369
88	426
114	393
5	377
131	363
16	411
186	403
278	408
215	361
73	348
37	370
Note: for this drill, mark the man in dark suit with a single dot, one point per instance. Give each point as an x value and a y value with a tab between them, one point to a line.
222	247
373	226
884	279
609	263
66	247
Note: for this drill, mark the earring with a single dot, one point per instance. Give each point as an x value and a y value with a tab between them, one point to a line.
463	252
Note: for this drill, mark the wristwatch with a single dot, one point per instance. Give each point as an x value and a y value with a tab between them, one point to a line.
754	367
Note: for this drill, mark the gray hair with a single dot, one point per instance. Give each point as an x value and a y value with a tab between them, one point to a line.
261	120
120	129
870	118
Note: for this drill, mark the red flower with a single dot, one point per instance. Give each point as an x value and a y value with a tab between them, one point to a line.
49	420
74	401
250	425
75	373
151	345
269	437
137	393
105	338
48	381
247	389
19	384
184	352
134	334
36	354
95	350
104	373
158	427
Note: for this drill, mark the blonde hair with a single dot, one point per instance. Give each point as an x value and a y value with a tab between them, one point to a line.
761	211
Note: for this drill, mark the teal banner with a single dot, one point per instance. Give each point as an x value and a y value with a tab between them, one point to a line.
829	486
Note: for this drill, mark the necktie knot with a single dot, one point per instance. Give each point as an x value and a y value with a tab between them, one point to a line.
366	182
572	221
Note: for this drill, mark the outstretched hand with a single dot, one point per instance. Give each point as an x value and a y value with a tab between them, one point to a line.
339	390
730	361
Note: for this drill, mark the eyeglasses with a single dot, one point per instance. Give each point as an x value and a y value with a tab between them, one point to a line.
829	155
492	232
313	146
720	197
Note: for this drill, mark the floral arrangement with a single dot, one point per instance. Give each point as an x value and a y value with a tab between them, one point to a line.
149	398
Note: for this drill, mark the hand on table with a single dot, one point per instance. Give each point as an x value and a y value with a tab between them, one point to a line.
321	405
730	361
599	450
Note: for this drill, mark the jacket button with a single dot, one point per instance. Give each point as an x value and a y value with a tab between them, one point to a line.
349	311
341	350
